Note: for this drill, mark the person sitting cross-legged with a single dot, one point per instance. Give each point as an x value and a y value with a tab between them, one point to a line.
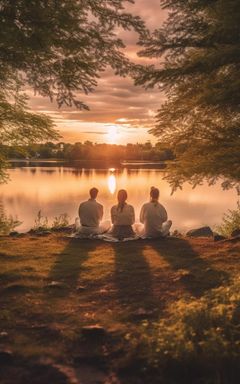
91	214
154	217
123	217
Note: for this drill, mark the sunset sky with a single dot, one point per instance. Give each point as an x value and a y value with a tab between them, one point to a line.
119	111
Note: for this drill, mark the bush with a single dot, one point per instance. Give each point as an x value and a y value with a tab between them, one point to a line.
61	221
230	222
41	222
7	223
199	342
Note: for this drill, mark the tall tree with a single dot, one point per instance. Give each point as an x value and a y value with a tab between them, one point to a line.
200	73
57	48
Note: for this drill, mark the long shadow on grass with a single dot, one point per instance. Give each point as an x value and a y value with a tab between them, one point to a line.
69	264
195	273
133	279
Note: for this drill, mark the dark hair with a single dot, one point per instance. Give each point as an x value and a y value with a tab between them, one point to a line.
122	197
154	193
93	193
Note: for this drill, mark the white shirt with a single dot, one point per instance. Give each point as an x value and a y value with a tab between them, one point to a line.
153	215
126	216
90	213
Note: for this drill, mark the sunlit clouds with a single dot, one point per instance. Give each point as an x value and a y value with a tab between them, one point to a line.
119	111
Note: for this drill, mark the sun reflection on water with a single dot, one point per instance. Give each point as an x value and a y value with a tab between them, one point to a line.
56	190
112	183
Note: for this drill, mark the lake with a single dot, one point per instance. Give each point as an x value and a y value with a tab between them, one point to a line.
59	189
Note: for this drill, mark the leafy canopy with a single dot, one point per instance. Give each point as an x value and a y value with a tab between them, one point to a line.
200	120
58	49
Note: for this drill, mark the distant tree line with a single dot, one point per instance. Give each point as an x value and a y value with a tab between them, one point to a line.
89	151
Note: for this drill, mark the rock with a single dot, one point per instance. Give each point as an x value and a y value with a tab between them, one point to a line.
6	357
217	237
176	233
142	313
200	232
56	284
93	331
17	234
14	234
3	335
235	233
184	276
81	288
103	291
39	327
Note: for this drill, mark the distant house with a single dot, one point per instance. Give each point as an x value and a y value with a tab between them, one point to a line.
60	146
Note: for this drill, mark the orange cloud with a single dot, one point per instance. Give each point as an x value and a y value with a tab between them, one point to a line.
115	100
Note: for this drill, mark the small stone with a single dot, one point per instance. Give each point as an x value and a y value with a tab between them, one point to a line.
6	357
218	237
14	234
184	276
93	331
200	232
142	313
3	335
81	288
39	326
103	291
235	233
56	284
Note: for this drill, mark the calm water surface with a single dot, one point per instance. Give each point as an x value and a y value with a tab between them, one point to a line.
57	189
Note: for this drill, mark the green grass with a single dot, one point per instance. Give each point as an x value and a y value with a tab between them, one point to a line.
170	309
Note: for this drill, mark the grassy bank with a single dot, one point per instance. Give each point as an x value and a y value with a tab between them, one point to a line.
161	312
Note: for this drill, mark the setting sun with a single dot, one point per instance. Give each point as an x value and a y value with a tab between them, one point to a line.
113	134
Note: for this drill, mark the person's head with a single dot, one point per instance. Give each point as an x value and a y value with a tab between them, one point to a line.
93	193
154	193
122	197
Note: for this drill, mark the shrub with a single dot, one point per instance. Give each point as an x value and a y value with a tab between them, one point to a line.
198	342
230	221
41	222
7	223
61	221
